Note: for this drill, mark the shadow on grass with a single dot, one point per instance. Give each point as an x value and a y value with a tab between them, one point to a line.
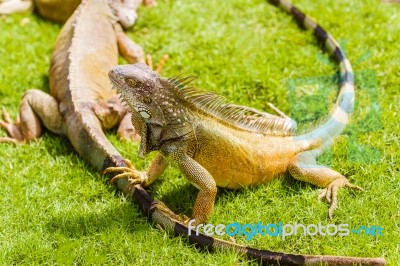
45	86
57	145
77	223
181	198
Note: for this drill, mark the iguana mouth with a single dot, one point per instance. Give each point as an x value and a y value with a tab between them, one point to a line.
116	80
116	85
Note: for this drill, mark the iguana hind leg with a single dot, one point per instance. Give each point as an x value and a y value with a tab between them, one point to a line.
36	107
11	128
304	168
113	112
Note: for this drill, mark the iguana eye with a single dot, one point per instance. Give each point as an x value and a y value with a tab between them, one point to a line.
146	99
131	82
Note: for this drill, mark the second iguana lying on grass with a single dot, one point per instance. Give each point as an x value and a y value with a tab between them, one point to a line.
80	104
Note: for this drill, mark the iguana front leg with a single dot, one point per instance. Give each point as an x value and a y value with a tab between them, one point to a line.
201	179
192	170
157	167
36	107
131	51
112	112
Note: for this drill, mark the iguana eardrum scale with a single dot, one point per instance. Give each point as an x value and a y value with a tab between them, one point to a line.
215	143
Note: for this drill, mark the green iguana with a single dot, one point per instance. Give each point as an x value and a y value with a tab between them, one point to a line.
215	143
58	10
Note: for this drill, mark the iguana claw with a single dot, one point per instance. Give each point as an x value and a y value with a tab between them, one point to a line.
12	129
134	176
330	192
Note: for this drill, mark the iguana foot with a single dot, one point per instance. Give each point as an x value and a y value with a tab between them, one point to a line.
330	192
160	206
134	176
12	129
160	65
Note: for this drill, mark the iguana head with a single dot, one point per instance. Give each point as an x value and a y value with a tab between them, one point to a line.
125	11
137	86
141	89
156	108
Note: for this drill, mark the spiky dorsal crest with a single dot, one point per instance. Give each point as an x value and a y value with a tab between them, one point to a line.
239	116
180	82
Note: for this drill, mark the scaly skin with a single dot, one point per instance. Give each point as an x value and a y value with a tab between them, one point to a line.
215	143
55	10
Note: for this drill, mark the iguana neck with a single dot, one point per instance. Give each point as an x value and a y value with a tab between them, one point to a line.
153	136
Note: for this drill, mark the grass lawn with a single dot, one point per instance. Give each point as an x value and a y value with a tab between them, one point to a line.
56	209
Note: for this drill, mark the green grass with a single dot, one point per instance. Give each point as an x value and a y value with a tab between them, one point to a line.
56	209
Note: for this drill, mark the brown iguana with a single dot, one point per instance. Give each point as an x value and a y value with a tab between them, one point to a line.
56	10
80	104
215	143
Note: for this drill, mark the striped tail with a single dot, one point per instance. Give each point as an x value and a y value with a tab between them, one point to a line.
168	220
340	115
